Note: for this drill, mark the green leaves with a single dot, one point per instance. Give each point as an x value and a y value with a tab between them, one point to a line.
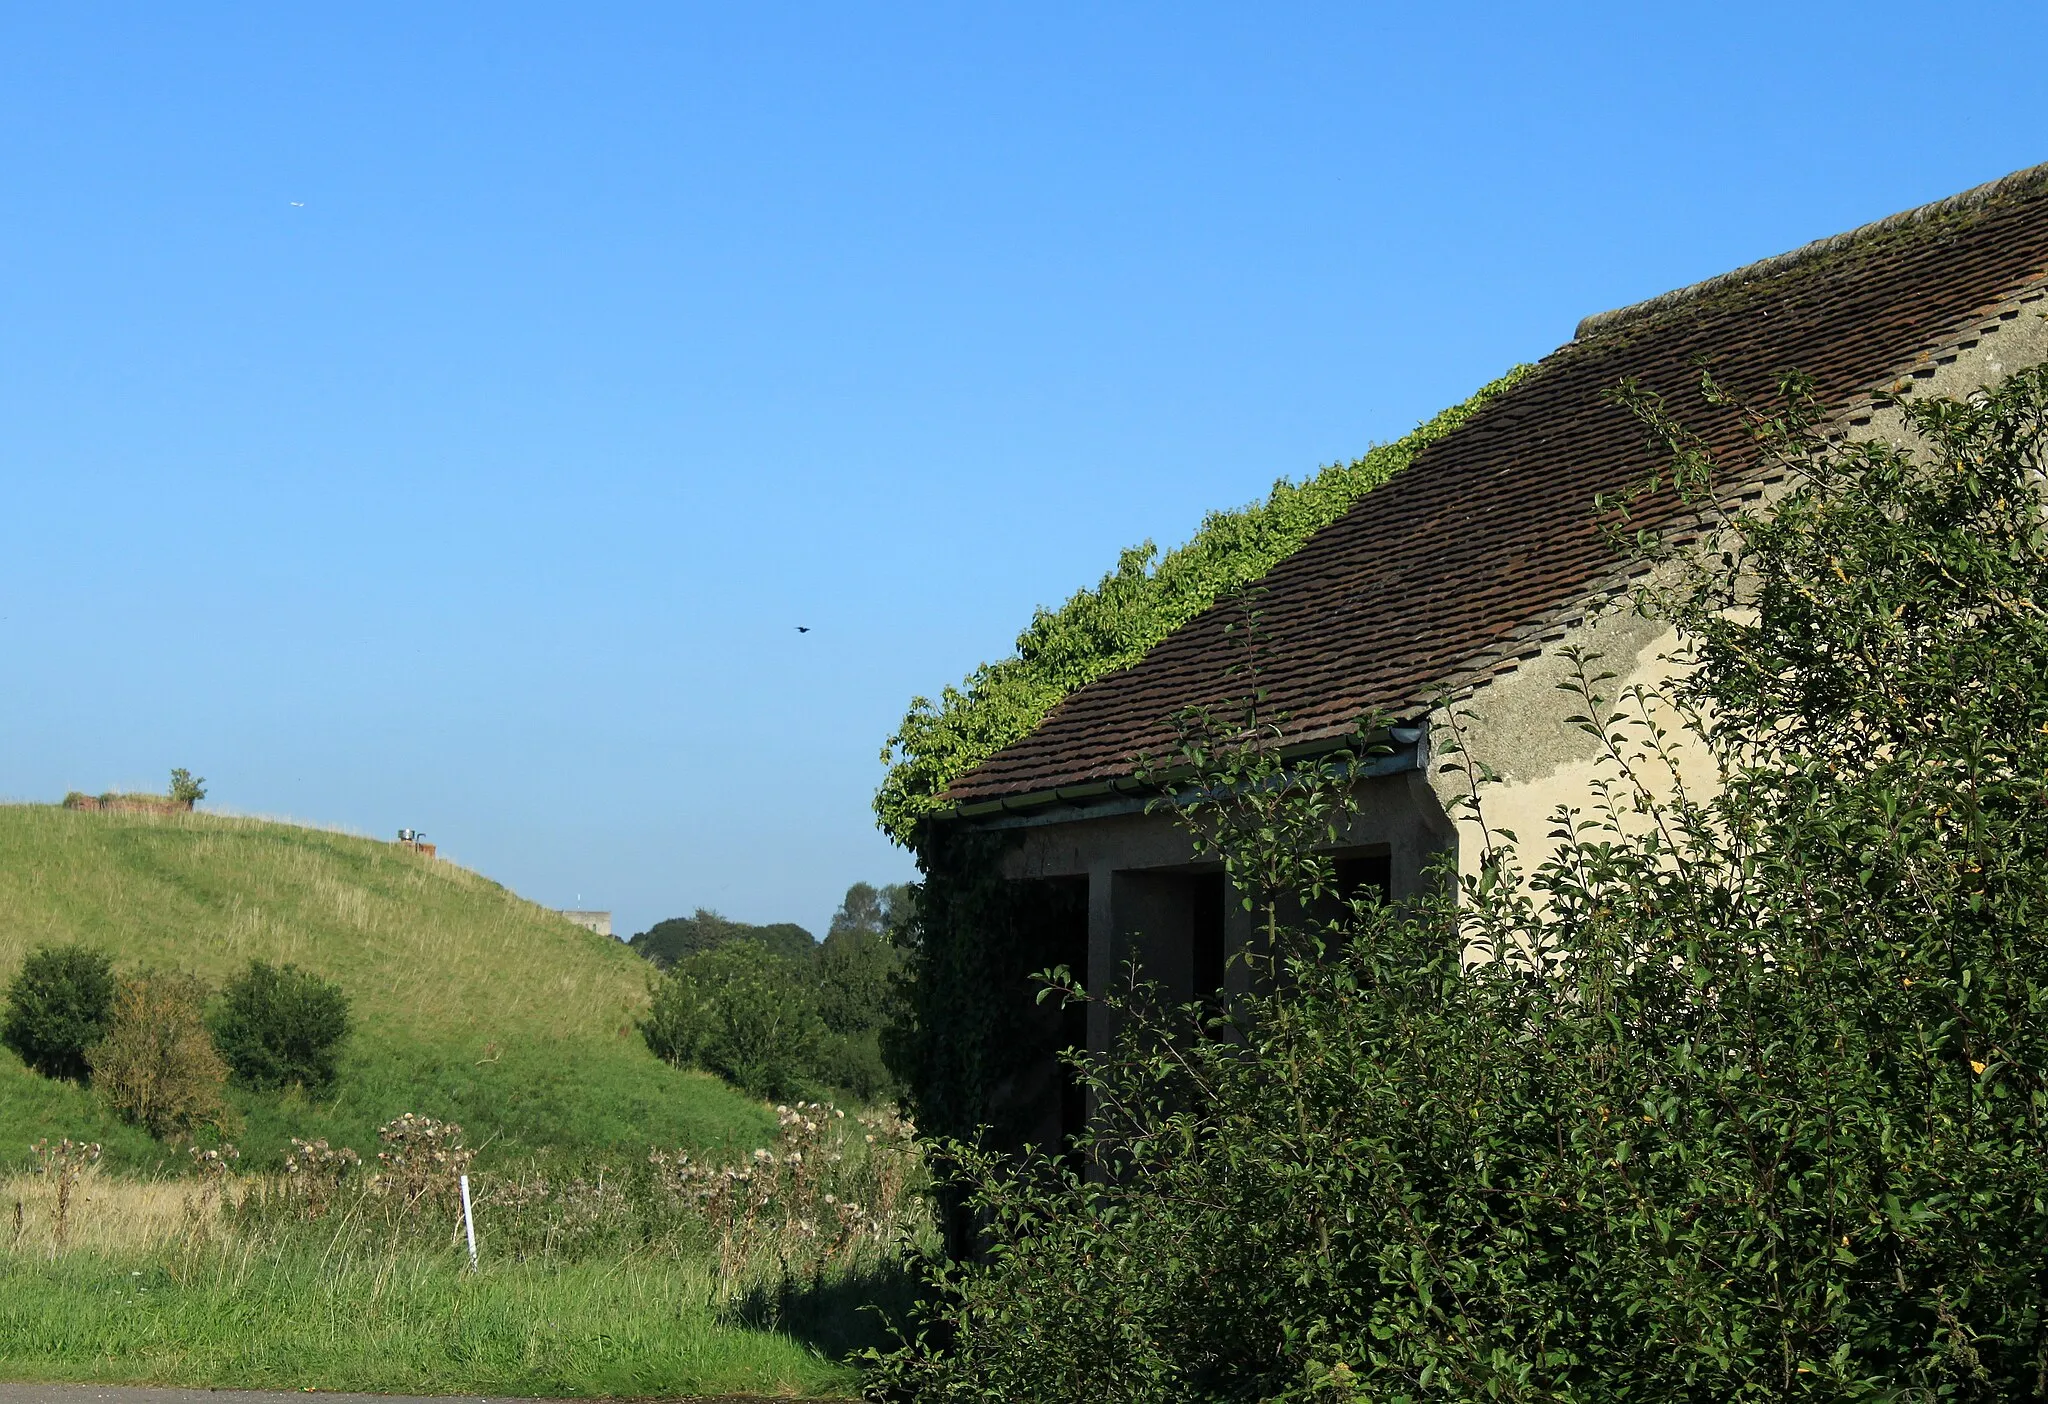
279	1026
1745	1101
737	1010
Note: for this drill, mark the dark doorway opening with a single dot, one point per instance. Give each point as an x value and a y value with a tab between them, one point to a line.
1207	934
1042	1103
1365	874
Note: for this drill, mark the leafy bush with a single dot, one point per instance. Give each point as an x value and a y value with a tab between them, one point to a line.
58	1007
1734	1097
280	1026
667	942
853	1063
157	1067
856	971
186	788
737	1010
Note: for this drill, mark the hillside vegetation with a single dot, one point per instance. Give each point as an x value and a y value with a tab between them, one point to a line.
469	1003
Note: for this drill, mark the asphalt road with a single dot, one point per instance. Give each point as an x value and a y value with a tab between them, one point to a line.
150	1394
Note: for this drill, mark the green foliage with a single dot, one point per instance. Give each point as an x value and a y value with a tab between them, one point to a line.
967	1023
59	1005
856	974
156	1067
667	942
736	1010
1111	627
280	1026
1735	1096
186	788
803	1015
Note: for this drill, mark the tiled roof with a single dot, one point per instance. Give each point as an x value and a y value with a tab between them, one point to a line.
1451	570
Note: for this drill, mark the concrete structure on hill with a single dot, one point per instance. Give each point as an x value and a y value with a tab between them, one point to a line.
600	922
1467	577
128	804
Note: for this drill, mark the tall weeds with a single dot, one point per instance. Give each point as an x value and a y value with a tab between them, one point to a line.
832	1194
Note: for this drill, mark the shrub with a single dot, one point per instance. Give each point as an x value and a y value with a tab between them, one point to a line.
856	974
1743	1097
740	1011
423	1161
59	1006
279	1026
186	788
157	1067
853	1063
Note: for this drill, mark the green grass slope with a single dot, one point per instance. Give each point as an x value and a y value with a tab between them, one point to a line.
469	1003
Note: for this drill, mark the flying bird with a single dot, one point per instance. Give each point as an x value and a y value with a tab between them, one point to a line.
803	628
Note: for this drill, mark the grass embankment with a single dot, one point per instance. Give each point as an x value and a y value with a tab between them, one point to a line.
469	1002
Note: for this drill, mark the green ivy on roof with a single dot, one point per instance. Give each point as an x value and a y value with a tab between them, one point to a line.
1114	625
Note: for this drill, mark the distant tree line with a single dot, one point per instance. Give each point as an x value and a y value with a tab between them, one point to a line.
667	942
773	1010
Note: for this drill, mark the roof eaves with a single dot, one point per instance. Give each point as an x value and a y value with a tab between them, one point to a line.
1407	749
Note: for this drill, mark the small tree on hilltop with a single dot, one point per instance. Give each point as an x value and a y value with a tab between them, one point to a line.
280	1026
186	788
58	1007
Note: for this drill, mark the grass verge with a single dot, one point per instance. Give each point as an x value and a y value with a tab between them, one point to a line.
661	1274
408	1322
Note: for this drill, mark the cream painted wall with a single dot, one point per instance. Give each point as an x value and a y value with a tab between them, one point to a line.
1515	725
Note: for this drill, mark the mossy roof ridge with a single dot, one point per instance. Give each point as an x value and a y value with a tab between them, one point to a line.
1922	222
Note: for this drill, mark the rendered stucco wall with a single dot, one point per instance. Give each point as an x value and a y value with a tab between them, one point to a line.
1515	725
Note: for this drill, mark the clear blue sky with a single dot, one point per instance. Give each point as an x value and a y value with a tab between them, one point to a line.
443	415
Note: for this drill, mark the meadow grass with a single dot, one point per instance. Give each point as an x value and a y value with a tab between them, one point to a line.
294	1318
470	1003
663	1275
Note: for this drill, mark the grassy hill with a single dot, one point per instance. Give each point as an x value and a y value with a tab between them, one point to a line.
469	1002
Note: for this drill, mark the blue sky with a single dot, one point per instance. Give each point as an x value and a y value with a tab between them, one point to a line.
443	416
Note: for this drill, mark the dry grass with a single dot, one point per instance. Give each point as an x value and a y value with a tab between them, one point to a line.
209	893
109	1215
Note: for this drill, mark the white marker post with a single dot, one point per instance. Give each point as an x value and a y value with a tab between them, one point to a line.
468	1223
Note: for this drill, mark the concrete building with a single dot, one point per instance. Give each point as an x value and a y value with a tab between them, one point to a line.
600	922
1467	576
